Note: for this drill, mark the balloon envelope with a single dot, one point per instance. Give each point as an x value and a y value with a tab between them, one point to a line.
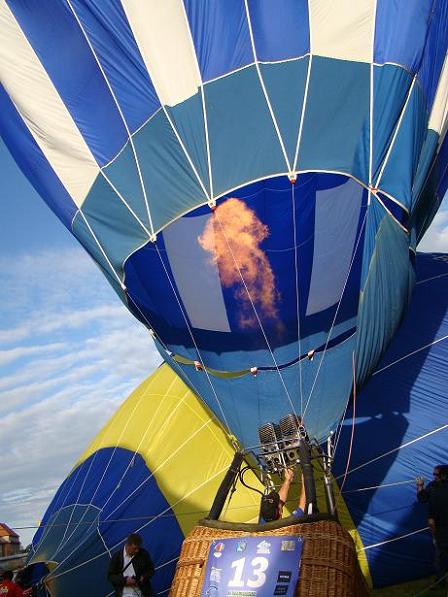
157	464
153	469
135	120
401	432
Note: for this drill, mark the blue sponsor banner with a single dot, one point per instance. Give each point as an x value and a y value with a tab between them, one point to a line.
262	566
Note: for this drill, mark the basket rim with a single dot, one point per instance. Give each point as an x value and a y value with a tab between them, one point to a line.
275	524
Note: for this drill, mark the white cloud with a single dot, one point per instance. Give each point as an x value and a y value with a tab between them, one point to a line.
70	353
436	237
8	356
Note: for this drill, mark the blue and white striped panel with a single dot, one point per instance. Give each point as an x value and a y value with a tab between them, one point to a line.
280	29
44	113
220	35
435	50
342	29
400	32
399	171
33	161
107	28
392	85
62	53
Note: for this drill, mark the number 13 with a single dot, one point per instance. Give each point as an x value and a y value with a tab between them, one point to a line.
259	567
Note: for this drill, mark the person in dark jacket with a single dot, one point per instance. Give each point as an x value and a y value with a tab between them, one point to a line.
131	569
438	523
423	493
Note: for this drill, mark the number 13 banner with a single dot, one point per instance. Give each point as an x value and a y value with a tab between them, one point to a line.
262	566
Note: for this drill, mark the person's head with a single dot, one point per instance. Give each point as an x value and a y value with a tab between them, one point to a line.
133	544
8	575
443	473
271	506
437	471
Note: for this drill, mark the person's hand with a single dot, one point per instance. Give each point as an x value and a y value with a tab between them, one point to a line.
130	581
289	474
420	482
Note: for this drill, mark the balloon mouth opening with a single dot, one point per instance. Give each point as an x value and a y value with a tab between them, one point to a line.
267	264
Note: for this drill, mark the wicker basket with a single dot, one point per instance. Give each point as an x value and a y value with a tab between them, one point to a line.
329	567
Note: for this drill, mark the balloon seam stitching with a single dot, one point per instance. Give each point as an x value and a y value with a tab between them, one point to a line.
263	86
137	162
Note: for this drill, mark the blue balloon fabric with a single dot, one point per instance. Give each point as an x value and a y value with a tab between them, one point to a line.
253	180
155	468
401	432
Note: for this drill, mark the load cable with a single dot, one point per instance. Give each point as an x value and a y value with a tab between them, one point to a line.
216	214
337	311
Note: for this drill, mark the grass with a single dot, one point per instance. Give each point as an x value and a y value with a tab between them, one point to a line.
411	589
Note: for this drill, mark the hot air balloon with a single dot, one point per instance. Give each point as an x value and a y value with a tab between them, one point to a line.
400	432
252	177
154	468
138	473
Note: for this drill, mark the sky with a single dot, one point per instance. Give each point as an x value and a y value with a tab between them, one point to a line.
70	352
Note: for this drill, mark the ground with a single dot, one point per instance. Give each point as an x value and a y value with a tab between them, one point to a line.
411	589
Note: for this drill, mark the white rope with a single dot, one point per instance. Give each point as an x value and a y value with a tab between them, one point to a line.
65	539
137	450
187	155
263	86
255	312
59	508
151	475
125	203
395	134
103	252
305	95
48	527
293	197
137	162
102	540
95	521
382	486
101	441
149	325
160	566
388	211
337	312
340	426
432	278
405	445
190	331
410	354
302	115
93	558
204	109
371	98
392	540
228	191
98	441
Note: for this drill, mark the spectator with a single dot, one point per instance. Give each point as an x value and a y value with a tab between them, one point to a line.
438	523
131	569
8	588
22	579
423	492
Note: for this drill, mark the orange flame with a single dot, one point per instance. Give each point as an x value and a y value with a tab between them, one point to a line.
232	236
